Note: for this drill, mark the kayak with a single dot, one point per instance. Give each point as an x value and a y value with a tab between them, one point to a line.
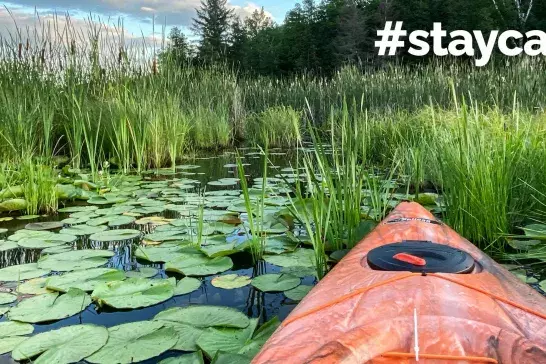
412	291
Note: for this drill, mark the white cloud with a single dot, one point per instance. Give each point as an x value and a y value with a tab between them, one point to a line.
170	12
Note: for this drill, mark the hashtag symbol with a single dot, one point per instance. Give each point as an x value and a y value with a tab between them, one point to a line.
390	38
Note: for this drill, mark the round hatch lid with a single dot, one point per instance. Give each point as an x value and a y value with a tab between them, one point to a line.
420	256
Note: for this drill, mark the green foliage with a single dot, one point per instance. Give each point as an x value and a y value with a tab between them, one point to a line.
276	126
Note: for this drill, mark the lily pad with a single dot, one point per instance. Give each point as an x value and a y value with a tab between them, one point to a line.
162	253
7	298
82	230
133	293
34	286
199	265
300	272
71	209
42	235
186	285
297	294
134	342
275	282
115	235
204	316
86	279
22	272
6	245
537	231
50	306
12	334
39	243
142	272
230	281
50	225
57	249
229	358
14	204
4	310
279	245
298	258
225	339
7	344
253	346
68	344
191	358
169	235
219	250
75	260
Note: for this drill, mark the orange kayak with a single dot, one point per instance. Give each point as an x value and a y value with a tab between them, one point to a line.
414	291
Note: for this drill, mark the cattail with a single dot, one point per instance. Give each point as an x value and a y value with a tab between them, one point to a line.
154	66
42	56
20	50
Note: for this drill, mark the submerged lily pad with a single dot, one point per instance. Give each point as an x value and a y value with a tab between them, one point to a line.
50	306
133	293
199	265
21	272
68	344
186	285
86	279
135	342
75	260
115	235
297	294
230	281
275	282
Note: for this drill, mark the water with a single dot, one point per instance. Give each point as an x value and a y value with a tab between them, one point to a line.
248	300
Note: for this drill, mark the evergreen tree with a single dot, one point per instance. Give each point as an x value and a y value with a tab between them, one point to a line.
212	24
178	50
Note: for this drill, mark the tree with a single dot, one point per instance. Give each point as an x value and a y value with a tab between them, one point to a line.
178	50
257	22
352	36
238	43
212	25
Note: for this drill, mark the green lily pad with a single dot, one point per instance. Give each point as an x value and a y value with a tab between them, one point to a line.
34	286
7	298
75	260
537	231
191	358
169	235
218	250
300	272
253	346
225	339
57	249
297	294
133	293
50	306
115	235
230	358
114	210
426	198
13	328
298	258
42	235
203	316
7	344
522	244
14	204
279	245
4	310
82	230
68	344
162	253
230	281
6	245
134	342
22	272
71	209
50	225
186	285
199	265
86	280
106	199
275	282
111	220
142	272
39	243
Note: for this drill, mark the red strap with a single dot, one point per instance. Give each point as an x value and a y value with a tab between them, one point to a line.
411	259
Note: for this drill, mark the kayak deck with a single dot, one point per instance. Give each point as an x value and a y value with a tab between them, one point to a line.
357	314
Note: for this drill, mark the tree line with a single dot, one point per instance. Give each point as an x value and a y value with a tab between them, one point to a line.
319	37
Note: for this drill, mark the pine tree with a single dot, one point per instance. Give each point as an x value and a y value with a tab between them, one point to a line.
257	22
212	25
179	49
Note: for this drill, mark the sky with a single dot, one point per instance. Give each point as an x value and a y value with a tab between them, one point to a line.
137	15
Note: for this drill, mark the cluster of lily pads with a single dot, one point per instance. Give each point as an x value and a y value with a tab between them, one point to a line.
192	234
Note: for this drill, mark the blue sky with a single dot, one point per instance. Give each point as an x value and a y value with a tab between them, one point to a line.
136	14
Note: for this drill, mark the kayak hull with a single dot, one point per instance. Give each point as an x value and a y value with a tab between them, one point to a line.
360	315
